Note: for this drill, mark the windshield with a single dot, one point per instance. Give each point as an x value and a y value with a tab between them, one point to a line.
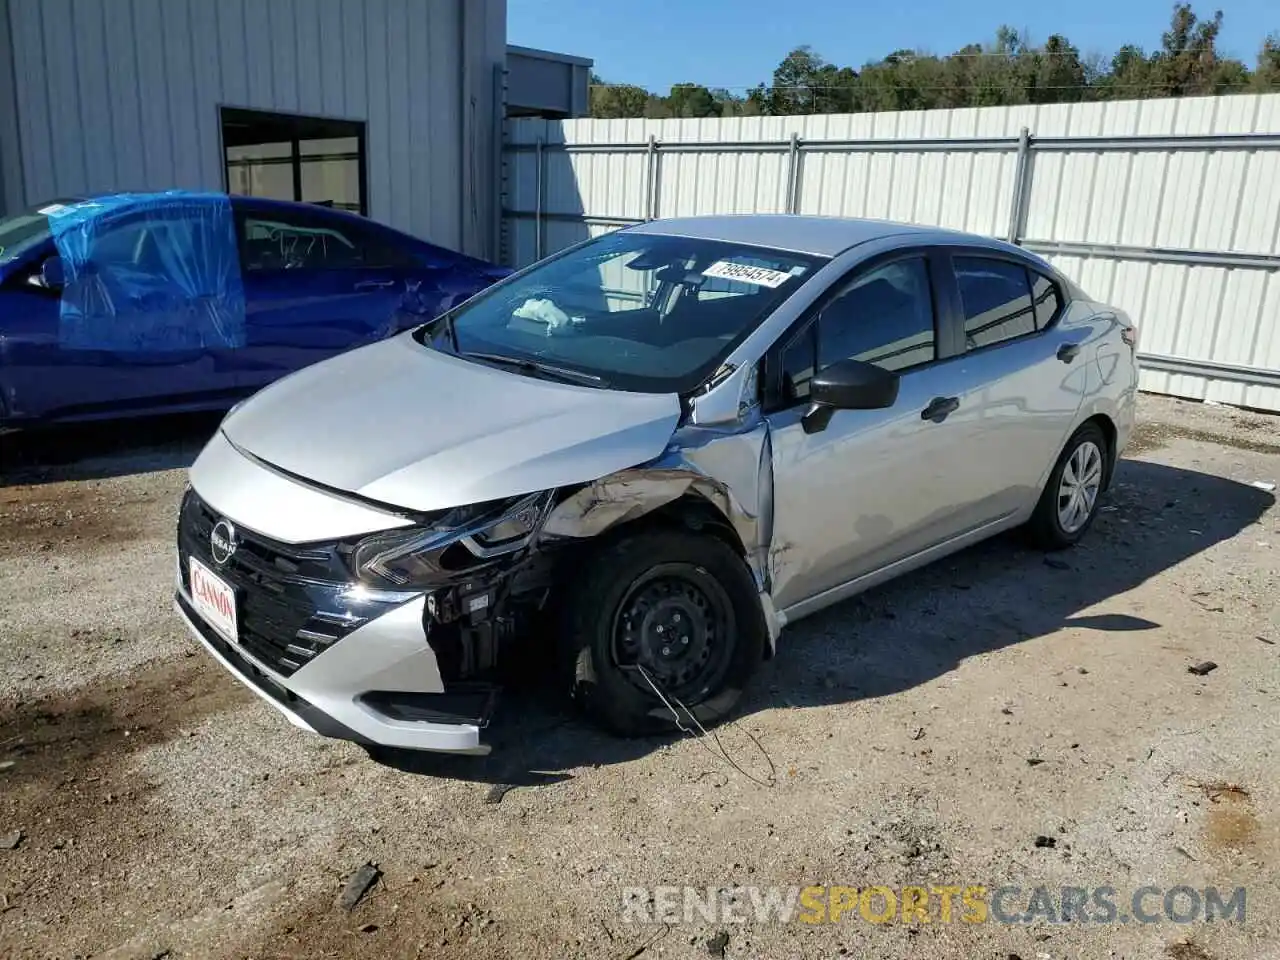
631	311
22	231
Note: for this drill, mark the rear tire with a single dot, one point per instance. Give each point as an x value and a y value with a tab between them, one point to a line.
678	606
1069	503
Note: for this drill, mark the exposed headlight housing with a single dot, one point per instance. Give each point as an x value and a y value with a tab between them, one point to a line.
408	558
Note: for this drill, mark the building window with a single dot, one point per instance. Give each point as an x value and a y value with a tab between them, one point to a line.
286	157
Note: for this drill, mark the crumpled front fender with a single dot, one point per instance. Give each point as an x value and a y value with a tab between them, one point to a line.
731	468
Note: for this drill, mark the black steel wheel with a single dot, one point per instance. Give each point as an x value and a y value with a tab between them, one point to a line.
666	609
675	622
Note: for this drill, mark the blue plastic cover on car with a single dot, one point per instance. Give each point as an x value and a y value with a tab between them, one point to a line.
149	272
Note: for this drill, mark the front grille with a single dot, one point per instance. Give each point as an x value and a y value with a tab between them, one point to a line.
292	602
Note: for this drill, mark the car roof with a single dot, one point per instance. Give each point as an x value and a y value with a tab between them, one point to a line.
237	199
271	203
801	233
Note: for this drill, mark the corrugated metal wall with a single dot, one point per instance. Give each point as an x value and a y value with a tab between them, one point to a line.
125	95
1183	233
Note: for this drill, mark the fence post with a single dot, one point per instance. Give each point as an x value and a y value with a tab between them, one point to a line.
1021	184
540	176
793	175
651	178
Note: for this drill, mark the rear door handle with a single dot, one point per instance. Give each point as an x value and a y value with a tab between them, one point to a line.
374	284
1068	352
940	408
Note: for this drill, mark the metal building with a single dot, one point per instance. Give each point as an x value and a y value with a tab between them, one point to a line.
389	107
553	86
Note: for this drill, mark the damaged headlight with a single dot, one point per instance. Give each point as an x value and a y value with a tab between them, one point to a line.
414	557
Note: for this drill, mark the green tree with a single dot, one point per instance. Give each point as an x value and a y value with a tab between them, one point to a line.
796	82
692	100
1010	69
904	80
1267	76
614	100
1188	63
1056	73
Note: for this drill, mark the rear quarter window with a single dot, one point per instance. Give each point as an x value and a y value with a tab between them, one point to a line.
1046	298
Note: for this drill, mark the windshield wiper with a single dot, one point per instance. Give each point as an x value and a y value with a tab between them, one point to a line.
448	328
536	366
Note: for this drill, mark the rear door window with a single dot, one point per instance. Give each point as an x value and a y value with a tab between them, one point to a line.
271	242
997	301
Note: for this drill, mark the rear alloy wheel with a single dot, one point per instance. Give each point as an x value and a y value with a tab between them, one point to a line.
1069	502
662	615
1079	486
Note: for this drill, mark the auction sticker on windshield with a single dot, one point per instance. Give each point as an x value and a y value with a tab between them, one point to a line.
744	273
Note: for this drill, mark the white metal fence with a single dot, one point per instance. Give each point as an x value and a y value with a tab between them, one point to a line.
1167	208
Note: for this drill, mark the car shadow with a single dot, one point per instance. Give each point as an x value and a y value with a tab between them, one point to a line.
909	632
99	450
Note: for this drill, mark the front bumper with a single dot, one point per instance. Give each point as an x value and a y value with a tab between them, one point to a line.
333	657
328	695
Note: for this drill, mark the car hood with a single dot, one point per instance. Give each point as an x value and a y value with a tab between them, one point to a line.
406	425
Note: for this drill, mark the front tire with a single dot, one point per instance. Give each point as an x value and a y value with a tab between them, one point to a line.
1069	503
665	608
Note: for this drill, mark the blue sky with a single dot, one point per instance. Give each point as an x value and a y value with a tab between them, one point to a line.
737	43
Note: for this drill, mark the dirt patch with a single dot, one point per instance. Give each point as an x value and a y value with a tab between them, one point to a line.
59	737
1151	435
1186	950
70	792
58	514
414	918
1254	423
1232	824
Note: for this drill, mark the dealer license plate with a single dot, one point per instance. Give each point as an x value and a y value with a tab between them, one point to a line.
214	600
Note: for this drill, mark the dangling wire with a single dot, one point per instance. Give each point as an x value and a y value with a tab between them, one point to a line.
700	738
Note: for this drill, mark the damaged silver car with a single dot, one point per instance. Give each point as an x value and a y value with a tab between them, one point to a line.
643	457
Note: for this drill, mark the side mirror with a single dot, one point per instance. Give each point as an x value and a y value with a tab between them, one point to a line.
848	385
53	274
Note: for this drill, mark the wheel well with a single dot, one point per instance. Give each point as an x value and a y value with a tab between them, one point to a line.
1108	429
690	511
693	512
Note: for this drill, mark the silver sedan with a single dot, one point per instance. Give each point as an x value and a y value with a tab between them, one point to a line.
663	445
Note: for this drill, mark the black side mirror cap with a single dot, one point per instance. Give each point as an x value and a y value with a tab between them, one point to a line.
848	385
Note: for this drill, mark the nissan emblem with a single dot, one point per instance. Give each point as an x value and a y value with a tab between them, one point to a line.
222	542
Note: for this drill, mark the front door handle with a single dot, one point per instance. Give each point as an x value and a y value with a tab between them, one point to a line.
940	408
1068	352
374	284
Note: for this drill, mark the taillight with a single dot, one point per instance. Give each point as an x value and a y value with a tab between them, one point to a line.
1130	336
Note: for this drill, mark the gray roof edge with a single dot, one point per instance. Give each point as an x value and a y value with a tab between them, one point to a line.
536	54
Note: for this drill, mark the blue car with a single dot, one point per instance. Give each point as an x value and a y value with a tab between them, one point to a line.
133	304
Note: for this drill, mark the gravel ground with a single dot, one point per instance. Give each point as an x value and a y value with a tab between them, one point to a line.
926	733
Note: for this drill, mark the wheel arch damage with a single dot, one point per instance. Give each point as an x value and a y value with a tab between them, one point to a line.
725	470
715	479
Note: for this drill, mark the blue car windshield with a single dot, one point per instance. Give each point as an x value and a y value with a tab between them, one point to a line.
23	231
632	311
